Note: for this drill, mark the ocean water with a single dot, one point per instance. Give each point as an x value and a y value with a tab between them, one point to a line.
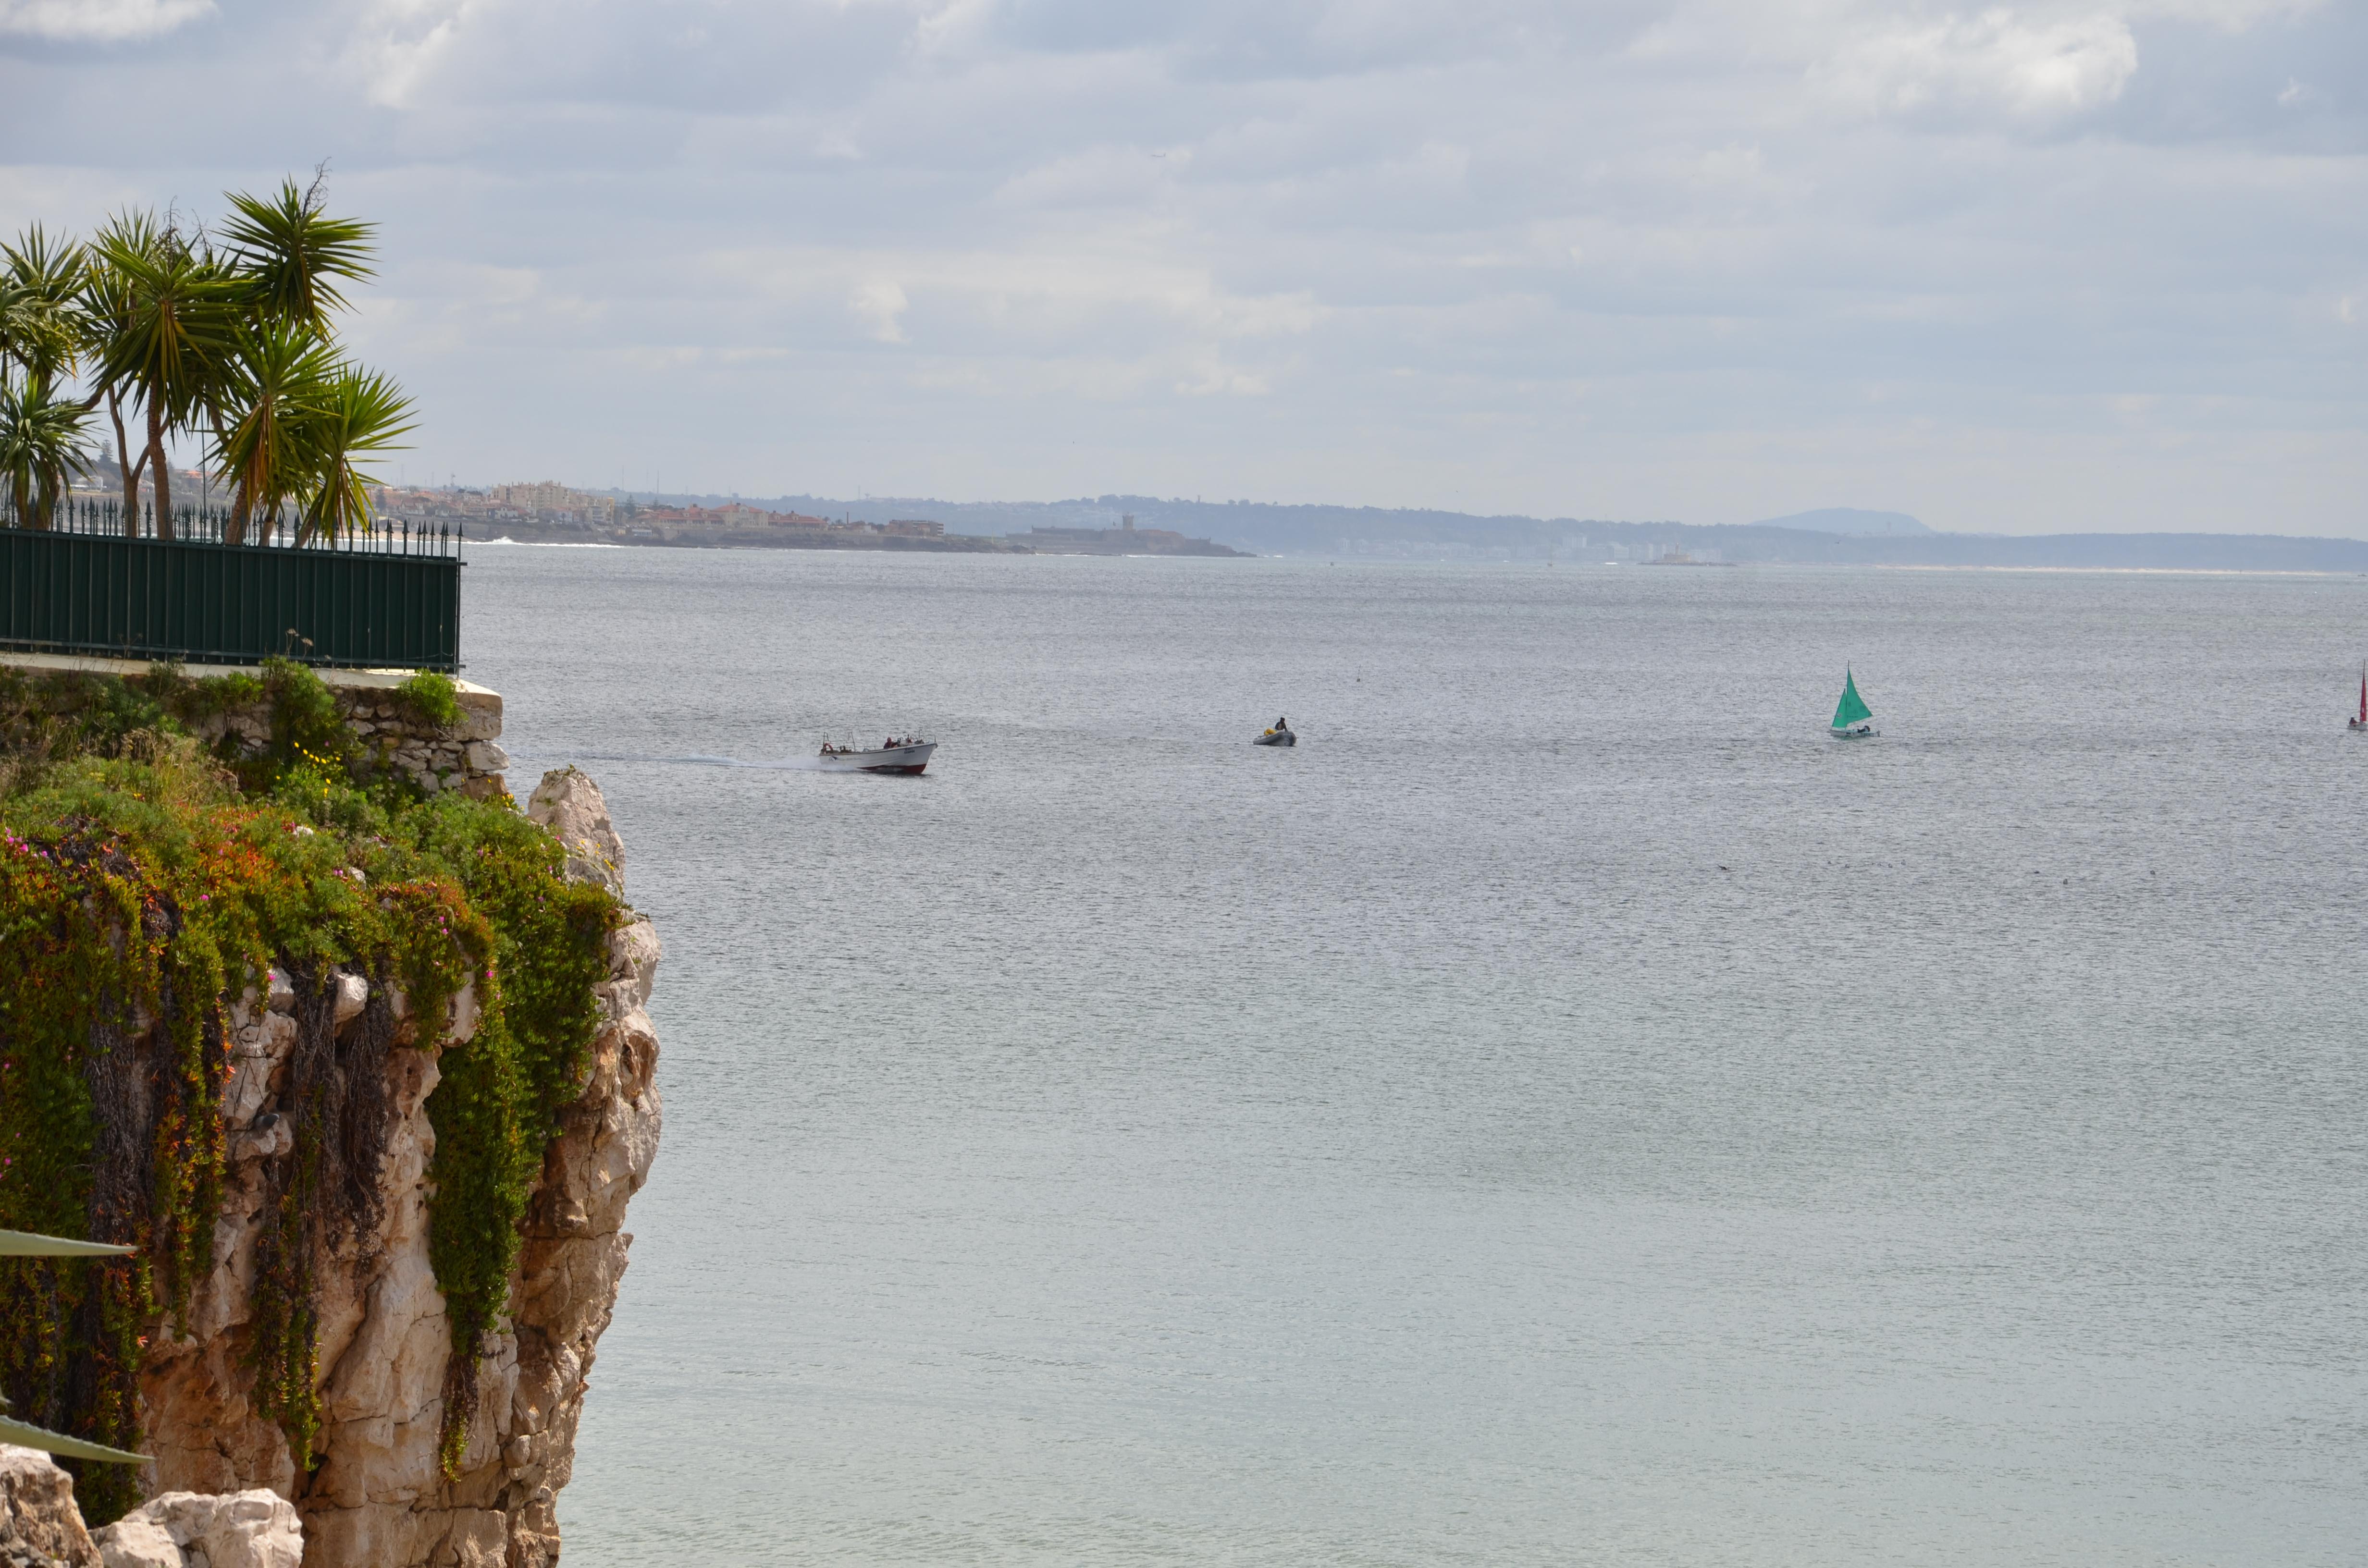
1568	1111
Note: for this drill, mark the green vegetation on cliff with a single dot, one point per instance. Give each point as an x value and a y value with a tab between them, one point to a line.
144	884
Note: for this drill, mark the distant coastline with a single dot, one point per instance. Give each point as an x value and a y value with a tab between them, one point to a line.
517	533
1374	533
1142	525
550	513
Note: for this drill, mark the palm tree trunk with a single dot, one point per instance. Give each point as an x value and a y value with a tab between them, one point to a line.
129	469
157	474
241	512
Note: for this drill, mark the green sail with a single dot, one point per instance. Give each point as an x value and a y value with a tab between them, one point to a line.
1852	707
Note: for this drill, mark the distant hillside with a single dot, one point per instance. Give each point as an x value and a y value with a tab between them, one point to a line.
1416	534
1847	520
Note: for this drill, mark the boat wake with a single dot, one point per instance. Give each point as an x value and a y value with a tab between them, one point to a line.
693	760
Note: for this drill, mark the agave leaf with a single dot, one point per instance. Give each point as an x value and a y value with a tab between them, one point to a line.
25	1244
25	1436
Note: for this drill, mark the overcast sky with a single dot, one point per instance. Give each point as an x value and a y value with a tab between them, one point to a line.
2090	265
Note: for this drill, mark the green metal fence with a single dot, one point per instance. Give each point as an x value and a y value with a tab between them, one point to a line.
200	602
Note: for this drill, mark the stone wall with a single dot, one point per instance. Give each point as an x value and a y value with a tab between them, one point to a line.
468	757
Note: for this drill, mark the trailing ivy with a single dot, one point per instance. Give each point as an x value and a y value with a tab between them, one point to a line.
142	885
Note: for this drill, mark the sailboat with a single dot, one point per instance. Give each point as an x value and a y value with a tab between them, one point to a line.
2362	721
1851	713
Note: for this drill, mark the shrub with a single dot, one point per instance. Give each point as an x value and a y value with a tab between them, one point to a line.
431	699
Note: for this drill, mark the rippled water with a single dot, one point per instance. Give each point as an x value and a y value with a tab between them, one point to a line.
1568	1111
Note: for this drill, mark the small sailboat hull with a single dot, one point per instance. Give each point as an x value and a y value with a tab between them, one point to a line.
1857	733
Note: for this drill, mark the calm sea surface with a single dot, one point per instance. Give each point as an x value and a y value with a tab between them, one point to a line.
1568	1111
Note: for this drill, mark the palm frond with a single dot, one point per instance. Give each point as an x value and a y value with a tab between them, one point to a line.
293	254
278	392
40	446
43	328
365	413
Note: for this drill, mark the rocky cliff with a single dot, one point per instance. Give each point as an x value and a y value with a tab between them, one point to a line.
40	1526
378	1493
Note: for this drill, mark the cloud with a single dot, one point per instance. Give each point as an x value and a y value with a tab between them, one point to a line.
98	21
881	305
1994	62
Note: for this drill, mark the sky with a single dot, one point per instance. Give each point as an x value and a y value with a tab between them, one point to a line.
2090	265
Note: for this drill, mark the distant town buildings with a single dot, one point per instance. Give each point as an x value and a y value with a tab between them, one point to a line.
550	500
547	511
547	508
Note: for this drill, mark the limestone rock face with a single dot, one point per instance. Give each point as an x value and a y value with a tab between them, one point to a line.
39	1526
255	1528
376	1496
569	804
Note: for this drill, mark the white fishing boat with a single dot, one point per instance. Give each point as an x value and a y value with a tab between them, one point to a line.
1851	714
890	756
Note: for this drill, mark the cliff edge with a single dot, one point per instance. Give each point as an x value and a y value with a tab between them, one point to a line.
379	1493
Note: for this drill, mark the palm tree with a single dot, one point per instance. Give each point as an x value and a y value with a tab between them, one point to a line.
276	393
305	418
363	413
43	332
40	445
234	337
107	306
167	311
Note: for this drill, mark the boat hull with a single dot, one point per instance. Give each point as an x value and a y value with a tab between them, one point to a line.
889	759
1276	738
1855	733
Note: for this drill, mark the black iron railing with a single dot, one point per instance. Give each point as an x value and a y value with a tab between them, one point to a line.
386	598
204	522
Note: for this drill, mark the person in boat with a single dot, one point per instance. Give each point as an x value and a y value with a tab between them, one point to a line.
1281	726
